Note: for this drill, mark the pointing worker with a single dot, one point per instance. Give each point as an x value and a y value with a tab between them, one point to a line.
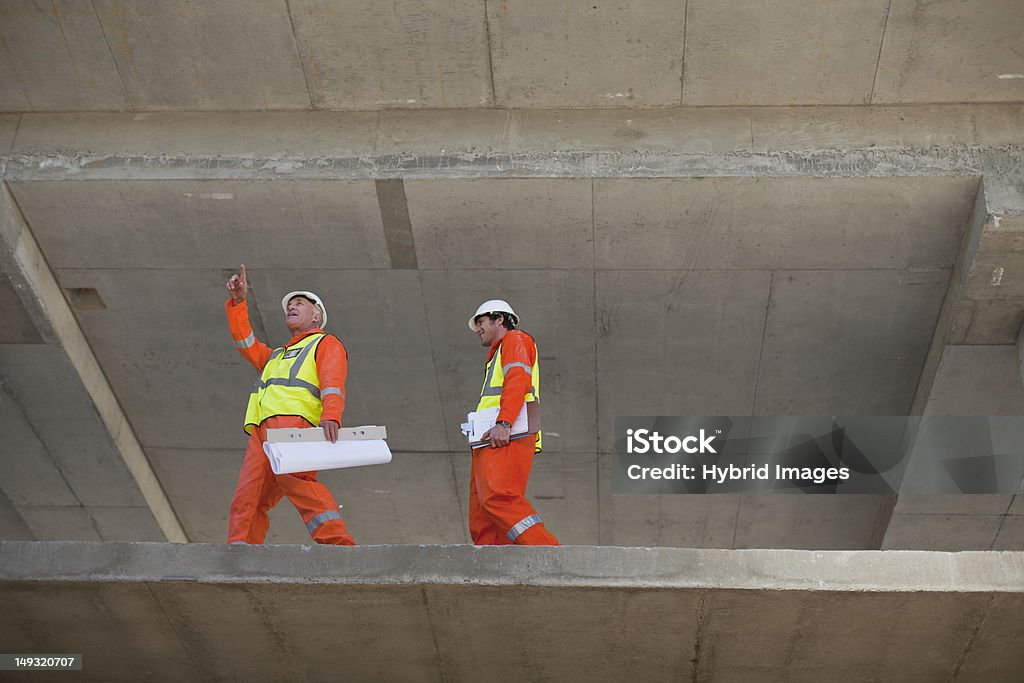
499	513
302	385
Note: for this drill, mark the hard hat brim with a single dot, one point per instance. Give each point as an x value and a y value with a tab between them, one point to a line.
492	307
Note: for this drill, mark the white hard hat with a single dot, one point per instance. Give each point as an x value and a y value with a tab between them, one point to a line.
494	306
312	297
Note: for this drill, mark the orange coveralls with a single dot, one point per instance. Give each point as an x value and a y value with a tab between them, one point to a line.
259	489
498	476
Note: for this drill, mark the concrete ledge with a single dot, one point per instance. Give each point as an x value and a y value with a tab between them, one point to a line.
568	566
458	613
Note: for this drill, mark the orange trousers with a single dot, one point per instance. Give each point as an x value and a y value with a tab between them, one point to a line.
259	489
499	513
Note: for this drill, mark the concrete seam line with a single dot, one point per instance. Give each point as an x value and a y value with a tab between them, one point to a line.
29	260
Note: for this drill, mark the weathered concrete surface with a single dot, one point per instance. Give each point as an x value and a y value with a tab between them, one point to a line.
916	64
721	223
872	365
18	327
225	55
458	136
972	368
546	54
12	524
354	55
243	223
56	58
405	54
978	380
827	142
168	612
8	128
996	271
746	53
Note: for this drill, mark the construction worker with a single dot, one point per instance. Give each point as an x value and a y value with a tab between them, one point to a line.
499	513
302	385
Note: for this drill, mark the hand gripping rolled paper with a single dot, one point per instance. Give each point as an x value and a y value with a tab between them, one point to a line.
302	450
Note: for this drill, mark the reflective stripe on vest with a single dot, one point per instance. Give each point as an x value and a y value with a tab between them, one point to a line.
494	379
289	385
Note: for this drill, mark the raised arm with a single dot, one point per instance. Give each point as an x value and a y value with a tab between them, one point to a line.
253	350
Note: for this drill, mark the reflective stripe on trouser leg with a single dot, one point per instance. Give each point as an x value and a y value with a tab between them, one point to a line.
313	524
522	525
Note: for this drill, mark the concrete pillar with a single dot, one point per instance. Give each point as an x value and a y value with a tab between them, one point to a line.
43	300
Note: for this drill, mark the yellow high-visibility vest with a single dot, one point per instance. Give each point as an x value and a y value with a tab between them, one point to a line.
494	378
289	385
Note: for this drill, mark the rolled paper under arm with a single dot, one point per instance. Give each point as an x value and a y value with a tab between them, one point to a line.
305	450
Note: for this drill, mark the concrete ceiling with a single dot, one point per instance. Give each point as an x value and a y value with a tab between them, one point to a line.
639	179
244	55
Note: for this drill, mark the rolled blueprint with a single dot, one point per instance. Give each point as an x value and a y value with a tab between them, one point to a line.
287	457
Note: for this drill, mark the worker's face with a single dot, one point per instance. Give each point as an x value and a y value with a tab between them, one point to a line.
301	315
489	331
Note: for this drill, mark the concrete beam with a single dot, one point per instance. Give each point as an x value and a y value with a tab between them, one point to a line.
831	141
461	612
43	300
952	306
984	303
972	369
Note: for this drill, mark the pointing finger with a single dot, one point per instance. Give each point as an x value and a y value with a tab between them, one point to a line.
242	269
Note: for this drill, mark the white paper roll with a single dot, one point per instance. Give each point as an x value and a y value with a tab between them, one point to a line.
303	456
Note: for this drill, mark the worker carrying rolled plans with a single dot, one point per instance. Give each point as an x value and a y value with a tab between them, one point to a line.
302	385
499	513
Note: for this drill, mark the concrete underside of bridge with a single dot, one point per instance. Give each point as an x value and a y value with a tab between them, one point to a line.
697	207
187	612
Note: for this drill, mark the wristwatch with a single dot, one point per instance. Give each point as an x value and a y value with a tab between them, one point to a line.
504	423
